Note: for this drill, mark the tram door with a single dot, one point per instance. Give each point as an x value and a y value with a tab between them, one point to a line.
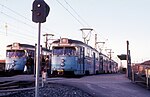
94	63
82	65
101	64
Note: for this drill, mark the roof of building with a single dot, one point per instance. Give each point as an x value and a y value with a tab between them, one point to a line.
2	61
146	62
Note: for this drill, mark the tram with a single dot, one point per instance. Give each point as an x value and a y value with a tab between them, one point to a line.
17	55
73	57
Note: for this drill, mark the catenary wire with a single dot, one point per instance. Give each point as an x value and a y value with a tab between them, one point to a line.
76	13
70	13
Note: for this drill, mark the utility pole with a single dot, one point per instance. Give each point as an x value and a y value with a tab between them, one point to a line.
110	52
128	57
100	47
87	36
110	55
46	39
97	42
6	27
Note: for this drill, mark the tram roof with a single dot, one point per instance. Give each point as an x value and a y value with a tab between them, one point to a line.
28	46
71	41
23	45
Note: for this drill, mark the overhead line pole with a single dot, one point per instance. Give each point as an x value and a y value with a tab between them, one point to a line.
6	26
46	39
110	54
84	36
96	42
128	57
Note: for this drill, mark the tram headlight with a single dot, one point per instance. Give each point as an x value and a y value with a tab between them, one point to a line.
62	60
62	64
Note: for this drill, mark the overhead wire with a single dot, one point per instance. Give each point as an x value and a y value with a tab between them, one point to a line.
80	20
18	15
70	13
76	13
14	12
33	27
16	19
44	27
21	34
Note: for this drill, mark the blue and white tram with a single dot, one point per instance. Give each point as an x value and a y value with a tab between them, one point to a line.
17	55
74	57
114	66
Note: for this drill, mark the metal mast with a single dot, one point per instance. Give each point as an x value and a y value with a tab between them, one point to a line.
85	36
46	39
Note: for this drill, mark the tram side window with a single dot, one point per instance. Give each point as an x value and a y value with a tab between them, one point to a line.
87	52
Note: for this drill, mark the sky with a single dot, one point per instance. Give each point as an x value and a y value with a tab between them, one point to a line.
114	21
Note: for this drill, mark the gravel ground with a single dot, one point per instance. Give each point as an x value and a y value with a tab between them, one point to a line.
51	90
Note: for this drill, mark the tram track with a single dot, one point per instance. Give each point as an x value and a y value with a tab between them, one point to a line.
8	85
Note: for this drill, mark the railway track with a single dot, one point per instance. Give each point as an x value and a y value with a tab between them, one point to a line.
12	87
8	85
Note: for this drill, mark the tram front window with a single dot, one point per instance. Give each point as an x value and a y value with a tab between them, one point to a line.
64	51
69	51
58	51
15	53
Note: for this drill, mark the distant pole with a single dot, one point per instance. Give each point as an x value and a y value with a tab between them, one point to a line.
128	73
46	39
86	37
95	41
110	55
6	26
110	52
99	47
46	35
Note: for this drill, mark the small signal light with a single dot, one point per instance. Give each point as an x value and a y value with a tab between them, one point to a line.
38	5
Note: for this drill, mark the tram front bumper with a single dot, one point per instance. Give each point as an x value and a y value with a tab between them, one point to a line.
58	72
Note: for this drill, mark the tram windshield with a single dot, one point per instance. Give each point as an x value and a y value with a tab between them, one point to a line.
15	53
64	51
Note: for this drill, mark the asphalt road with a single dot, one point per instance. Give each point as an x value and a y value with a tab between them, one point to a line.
105	85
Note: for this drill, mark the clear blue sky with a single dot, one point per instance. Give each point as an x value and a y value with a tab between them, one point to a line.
115	20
